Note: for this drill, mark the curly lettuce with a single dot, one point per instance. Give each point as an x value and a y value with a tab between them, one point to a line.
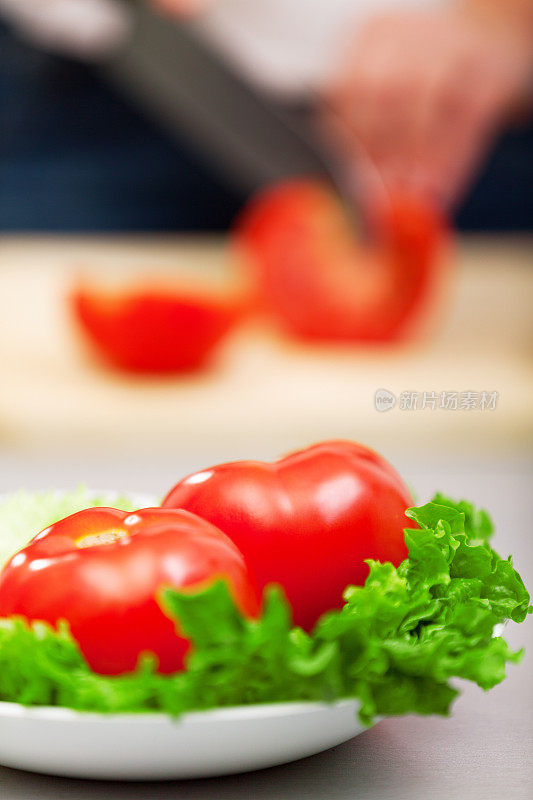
395	645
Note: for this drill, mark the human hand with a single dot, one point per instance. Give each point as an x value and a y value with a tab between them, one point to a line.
424	93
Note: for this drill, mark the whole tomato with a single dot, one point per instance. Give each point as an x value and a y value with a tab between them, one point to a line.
323	283
101	570
307	521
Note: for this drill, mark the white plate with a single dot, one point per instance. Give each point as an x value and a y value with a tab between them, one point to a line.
59	741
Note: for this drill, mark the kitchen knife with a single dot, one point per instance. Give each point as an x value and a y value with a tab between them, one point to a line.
249	138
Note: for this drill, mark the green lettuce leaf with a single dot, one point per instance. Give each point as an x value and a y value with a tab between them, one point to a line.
395	645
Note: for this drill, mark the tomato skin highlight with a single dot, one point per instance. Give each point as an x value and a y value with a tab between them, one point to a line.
307	521
323	284
152	329
108	592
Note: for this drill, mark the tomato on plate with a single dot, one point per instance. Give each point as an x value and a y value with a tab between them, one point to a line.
101	570
307	521
322	283
153	327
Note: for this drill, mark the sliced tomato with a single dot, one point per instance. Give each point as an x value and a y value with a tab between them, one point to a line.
152	327
322	282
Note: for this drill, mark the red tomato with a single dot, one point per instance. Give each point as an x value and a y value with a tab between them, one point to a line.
307	521
101	569
151	328
322	283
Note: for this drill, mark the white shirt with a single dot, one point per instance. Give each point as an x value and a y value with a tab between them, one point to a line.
83	28
288	45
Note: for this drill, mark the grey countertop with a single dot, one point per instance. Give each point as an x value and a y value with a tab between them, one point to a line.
482	752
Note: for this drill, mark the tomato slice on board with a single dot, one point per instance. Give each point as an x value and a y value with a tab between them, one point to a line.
322	282
152	327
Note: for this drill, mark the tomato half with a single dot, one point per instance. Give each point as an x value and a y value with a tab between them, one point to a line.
153	328
101	570
324	284
307	521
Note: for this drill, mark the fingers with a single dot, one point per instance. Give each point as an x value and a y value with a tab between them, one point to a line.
462	144
377	100
421	95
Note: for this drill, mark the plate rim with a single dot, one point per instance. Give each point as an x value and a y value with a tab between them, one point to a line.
222	714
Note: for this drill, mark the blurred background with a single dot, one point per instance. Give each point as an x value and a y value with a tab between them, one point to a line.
232	228
179	281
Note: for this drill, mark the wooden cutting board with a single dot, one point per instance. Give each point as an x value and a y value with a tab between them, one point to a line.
263	390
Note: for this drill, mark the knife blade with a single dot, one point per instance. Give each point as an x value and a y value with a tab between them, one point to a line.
248	137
